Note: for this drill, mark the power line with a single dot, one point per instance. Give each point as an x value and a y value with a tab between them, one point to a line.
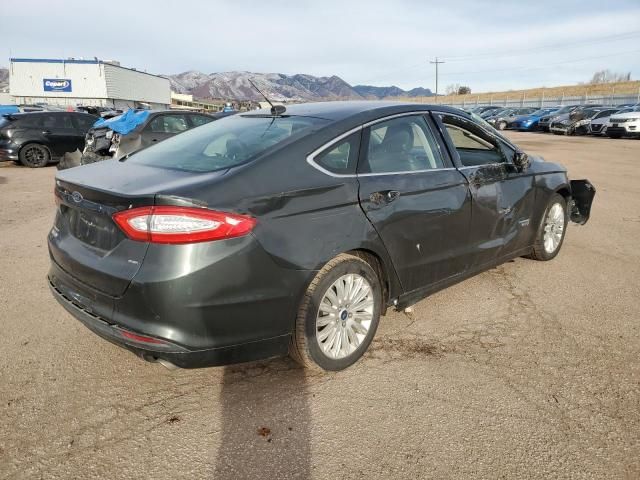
542	67
527	50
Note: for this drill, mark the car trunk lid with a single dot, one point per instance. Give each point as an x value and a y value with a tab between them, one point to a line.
87	244
85	240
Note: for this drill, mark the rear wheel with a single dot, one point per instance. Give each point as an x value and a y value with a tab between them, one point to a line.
501	125
34	155
552	229
338	315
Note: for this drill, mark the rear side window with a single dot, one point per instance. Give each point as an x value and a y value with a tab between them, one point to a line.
403	144
225	143
197	120
169	124
29	121
341	157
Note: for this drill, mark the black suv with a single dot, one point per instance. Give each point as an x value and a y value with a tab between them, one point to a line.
37	138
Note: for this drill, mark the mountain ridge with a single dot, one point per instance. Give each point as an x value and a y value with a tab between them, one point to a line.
234	85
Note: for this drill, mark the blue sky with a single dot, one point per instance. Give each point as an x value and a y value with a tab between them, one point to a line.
488	45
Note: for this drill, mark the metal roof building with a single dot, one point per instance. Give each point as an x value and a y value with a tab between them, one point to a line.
85	82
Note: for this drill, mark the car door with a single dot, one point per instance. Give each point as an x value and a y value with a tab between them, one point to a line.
417	202
163	126
59	130
503	197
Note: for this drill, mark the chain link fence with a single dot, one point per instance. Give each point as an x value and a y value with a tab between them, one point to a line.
542	101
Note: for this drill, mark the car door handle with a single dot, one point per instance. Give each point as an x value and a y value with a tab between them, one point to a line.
384	197
46	132
392	195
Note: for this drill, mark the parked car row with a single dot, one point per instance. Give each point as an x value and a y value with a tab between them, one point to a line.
613	121
36	139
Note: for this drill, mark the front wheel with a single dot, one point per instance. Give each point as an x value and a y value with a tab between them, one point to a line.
501	125
338	315
552	229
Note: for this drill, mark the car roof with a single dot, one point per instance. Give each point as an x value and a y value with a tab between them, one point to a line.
342	110
47	112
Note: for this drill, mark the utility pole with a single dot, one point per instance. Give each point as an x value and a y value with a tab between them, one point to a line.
436	63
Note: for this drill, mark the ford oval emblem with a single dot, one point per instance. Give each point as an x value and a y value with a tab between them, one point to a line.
77	197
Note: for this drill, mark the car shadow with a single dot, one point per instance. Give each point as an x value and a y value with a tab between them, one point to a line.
266	422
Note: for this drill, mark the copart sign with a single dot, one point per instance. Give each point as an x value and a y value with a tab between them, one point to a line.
56	84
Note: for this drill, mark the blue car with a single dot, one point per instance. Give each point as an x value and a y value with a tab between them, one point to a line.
530	122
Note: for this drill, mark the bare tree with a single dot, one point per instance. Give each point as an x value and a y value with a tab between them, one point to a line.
452	89
464	90
607	76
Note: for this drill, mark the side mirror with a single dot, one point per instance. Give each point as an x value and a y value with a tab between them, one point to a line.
521	160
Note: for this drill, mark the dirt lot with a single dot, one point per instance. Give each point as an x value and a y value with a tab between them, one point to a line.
529	370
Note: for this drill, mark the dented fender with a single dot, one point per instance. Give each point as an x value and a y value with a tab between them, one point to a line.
582	194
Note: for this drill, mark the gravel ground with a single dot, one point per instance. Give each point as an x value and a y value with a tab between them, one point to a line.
531	370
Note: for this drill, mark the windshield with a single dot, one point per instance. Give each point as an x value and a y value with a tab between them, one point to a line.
224	143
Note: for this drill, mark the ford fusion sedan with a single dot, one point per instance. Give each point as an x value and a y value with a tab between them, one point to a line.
293	231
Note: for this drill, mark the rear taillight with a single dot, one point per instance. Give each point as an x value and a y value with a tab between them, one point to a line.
165	224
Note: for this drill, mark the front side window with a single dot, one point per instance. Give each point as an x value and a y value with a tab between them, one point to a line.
403	144
474	146
225	143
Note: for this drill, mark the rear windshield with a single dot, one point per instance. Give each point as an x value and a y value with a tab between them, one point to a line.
224	143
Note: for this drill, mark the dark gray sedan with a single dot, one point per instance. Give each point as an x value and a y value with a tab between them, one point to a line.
276	232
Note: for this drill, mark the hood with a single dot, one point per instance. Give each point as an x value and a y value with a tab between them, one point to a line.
133	179
626	115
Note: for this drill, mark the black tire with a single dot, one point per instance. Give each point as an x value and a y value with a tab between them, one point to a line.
539	251
34	155
614	135
501	125
305	348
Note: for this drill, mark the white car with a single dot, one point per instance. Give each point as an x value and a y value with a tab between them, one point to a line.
624	125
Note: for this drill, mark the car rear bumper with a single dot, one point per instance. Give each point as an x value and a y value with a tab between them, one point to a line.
238	306
170	352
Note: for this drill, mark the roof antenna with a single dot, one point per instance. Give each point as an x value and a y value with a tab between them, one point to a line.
276	110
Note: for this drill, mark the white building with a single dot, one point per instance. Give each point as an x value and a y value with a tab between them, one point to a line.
85	82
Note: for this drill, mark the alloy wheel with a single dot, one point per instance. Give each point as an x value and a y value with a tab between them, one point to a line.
554	227
344	316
